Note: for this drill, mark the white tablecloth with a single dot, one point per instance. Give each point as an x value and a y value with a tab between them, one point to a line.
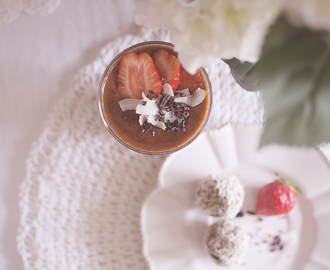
39	56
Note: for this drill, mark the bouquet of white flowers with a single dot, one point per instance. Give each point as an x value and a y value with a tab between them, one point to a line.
278	47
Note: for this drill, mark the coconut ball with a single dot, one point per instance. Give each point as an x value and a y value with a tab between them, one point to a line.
220	196
227	242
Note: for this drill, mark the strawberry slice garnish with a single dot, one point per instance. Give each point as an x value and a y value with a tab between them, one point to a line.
136	75
187	80
168	67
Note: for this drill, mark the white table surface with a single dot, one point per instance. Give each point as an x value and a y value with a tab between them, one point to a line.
39	56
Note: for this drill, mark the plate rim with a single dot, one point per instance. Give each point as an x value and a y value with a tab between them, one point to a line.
160	181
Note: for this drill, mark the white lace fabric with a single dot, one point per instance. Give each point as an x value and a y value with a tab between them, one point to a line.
12	9
82	195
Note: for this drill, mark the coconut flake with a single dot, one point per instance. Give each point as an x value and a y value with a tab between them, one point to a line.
170	116
167	90
147	106
183	93
152	120
129	104
149	109
193	100
142	119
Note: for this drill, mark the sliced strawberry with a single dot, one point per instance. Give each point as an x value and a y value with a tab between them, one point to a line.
168	67
189	81
137	74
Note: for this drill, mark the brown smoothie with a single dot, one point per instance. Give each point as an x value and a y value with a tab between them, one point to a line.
125	125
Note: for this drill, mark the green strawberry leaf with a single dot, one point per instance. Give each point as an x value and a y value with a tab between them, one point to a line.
294	75
295	189
291	186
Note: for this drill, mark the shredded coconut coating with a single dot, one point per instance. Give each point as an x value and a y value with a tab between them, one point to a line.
220	196
227	243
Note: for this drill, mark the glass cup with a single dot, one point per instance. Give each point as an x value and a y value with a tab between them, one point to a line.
125	127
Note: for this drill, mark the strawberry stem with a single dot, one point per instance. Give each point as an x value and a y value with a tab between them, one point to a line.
291	186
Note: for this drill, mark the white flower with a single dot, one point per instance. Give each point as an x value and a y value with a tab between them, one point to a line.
205	30
159	13
314	14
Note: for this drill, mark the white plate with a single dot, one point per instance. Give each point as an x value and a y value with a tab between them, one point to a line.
173	227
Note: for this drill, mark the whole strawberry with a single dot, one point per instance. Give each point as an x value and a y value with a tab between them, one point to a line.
276	198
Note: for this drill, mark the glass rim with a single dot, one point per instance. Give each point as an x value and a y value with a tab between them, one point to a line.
101	91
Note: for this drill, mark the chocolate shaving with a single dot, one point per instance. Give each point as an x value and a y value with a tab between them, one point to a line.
277	244
163	102
179	110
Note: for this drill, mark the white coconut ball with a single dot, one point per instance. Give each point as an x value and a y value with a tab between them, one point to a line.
227	243
220	196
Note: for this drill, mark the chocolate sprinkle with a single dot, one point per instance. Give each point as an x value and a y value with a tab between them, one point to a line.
277	244
146	127
240	214
180	110
163	101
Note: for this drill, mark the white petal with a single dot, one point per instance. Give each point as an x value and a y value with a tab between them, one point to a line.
313	14
205	31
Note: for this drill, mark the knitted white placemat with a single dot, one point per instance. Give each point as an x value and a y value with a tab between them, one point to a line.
81	199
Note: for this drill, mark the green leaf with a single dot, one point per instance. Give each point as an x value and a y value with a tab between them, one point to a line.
294	75
244	73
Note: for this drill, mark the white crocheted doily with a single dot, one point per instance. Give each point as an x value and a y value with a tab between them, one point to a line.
12	9
81	199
